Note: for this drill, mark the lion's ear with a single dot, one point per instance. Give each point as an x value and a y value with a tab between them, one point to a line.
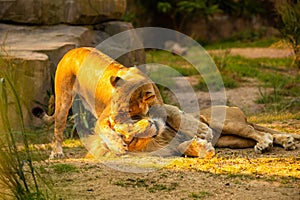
114	80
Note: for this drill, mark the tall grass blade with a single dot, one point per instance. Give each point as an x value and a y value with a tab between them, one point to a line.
18	177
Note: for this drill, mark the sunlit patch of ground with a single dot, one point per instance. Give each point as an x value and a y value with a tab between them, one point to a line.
230	174
286	167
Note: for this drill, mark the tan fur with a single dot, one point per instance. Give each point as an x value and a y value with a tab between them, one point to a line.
237	132
113	93
182	134
120	98
92	75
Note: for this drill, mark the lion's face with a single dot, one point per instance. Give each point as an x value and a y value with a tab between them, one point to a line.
131	98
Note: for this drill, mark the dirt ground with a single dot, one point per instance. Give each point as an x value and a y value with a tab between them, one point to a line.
231	174
272	175
178	178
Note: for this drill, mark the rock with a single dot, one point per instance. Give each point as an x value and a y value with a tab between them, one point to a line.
48	12
54	41
30	72
128	45
35	53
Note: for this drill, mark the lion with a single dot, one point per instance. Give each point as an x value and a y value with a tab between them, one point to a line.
235	130
179	134
95	76
122	99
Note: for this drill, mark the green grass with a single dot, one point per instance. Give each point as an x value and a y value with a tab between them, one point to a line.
239	42
278	83
19	178
199	195
174	61
150	185
63	168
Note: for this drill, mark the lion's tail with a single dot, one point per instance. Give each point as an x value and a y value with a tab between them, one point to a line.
40	113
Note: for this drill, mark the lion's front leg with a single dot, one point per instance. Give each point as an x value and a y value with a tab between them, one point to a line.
112	139
197	148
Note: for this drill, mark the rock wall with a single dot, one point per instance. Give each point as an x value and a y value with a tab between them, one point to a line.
61	11
34	51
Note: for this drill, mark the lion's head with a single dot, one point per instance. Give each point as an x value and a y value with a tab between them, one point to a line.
133	94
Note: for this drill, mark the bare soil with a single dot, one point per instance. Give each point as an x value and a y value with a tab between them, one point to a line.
164	179
258	52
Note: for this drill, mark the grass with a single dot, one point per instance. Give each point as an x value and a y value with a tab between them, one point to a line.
19	178
199	195
233	43
268	117
175	62
63	168
278	83
150	185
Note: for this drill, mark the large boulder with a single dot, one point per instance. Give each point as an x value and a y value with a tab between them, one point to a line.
28	71
32	53
61	11
54	41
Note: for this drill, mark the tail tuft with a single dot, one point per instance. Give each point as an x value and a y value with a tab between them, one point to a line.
38	112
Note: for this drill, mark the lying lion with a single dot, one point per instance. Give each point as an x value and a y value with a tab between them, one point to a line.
236	132
120	99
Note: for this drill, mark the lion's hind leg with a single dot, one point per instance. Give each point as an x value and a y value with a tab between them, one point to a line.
287	141
264	140
234	142
62	105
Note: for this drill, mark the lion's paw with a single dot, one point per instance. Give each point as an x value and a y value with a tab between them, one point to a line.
285	140
205	134
197	148
264	146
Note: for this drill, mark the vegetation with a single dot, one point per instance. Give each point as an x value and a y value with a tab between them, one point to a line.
150	185
178	12
278	84
289	26
19	178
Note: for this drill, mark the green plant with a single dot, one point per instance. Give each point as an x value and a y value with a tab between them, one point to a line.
289	13
180	11
235	43
81	118
63	168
